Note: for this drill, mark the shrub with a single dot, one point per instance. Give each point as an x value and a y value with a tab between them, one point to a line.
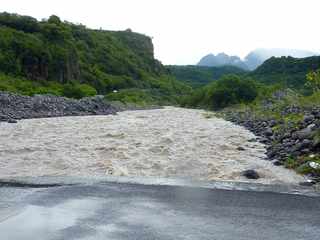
231	89
78	91
137	96
313	80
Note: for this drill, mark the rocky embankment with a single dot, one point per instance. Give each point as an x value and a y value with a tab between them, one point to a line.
14	107
293	143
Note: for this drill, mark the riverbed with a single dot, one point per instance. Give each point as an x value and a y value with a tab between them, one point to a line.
169	142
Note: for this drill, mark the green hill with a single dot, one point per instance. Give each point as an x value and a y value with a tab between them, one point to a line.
288	71
62	58
198	76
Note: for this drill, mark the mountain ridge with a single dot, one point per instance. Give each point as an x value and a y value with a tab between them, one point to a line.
254	59
286	70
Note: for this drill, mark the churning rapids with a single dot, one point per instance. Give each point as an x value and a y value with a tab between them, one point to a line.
169	142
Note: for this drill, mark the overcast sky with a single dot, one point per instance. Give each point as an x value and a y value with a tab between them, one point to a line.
183	31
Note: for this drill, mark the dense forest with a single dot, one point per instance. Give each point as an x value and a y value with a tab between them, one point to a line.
273	75
61	58
66	59
287	71
198	76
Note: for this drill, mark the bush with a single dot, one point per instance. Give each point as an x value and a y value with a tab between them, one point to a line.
78	91
229	90
136	96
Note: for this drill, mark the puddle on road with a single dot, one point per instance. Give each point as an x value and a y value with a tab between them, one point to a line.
37	222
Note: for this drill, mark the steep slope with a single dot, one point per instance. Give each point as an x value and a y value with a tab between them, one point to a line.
258	56
198	76
52	52
286	70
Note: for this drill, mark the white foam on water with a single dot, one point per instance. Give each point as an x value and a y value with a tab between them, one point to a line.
169	142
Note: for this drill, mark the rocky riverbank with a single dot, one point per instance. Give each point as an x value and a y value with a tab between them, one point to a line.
293	138
14	107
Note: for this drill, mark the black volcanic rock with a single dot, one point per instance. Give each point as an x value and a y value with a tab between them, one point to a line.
15	107
250	174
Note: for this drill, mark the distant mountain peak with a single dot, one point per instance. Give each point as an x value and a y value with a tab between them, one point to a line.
254	59
221	59
222	54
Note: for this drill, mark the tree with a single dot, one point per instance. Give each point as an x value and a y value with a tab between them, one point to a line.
231	89
53	19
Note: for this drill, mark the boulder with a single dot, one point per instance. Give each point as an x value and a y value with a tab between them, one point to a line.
308	118
312	126
306	133
271	154
12	121
264	140
305	151
277	163
241	149
272	123
250	174
305	143
307	183
268	132
314	165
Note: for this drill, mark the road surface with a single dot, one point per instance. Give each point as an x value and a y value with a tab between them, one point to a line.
119	210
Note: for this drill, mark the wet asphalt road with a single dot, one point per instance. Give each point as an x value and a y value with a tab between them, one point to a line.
106	210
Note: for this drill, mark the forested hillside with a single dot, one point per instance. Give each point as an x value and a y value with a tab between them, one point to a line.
273	75
287	71
51	56
198	76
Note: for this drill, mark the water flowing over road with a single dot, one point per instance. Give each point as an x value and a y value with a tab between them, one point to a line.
169	142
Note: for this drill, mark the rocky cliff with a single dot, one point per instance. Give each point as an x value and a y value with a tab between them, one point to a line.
64	52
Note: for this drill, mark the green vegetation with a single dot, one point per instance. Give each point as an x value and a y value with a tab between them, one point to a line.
78	90
313	80
275	99
198	76
28	87
288	71
227	91
301	164
62	58
276	74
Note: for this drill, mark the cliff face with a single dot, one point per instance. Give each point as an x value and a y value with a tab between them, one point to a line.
64	52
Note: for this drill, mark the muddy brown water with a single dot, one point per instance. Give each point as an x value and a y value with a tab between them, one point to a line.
169	142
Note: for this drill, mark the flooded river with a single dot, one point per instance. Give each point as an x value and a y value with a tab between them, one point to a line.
169	142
